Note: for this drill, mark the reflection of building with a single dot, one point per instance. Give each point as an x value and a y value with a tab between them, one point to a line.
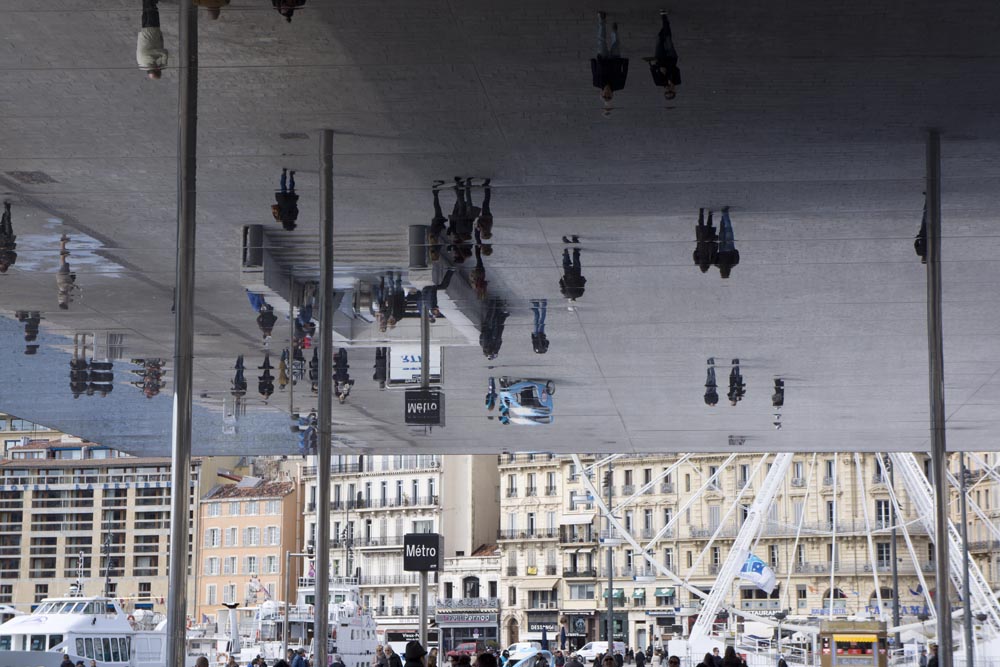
983	512
246	528
16	432
376	500
65	498
468	608
555	570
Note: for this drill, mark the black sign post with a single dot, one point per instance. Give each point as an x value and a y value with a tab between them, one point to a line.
424	407
423	553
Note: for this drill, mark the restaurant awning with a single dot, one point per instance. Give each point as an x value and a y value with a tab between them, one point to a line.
665	592
579	519
539	583
855	638
619	592
639	593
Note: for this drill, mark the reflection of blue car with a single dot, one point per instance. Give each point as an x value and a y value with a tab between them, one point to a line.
526	402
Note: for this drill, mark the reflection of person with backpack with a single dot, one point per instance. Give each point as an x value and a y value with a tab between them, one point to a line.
663	64
286	210
609	69
711	387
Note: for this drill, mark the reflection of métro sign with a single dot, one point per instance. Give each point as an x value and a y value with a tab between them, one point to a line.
424	407
423	552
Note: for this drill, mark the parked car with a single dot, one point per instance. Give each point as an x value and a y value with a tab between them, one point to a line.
532	657
471	649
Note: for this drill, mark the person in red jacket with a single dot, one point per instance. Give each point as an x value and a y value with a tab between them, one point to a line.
609	68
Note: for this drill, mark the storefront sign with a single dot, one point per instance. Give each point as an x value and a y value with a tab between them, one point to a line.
424	407
465	619
423	552
538	627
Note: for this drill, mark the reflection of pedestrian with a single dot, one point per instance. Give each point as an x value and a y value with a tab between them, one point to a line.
491	328
79	376
381	366
478	274
729	256
706	251
286	208
778	397
314	369
572	282
266	320
287	7
485	222
711	388
149	51
102	377
239	380
65	278
7	240
283	369
265	381
609	70
539	343
341	376
435	235
213	7
737	388
920	243
663	64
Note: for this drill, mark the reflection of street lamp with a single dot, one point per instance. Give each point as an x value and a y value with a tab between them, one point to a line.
780	615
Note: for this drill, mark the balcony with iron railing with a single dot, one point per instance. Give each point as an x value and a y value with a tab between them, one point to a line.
981	546
551	570
667	487
512	570
505	459
580	574
395	502
336	468
468	603
528	534
628	489
531	492
550	490
511	492
798	482
567	536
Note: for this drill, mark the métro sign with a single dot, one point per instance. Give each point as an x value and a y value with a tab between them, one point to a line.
424	407
423	552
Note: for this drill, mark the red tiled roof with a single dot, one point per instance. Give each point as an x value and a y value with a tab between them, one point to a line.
484	550
263	490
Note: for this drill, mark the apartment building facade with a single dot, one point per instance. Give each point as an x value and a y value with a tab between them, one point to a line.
247	525
377	499
68	506
468	598
555	567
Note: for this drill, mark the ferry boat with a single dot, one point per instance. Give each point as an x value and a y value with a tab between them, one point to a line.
83	628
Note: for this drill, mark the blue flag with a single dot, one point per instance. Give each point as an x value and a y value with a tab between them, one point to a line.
758	573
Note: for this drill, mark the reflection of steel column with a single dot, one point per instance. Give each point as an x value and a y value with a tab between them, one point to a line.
611	567
425	345
180	471
966	591
939	448
288	602
324	415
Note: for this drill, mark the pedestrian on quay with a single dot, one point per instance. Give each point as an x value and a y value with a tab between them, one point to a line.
574	661
559	659
432	658
731	659
414	654
619	659
609	70
932	661
392	657
640	658
663	63
287	9
149	51
707	661
337	661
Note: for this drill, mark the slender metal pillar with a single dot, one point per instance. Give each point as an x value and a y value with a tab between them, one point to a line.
290	365
939	448
180	470
288	602
895	567
966	591
422	610
425	346
324	414
611	566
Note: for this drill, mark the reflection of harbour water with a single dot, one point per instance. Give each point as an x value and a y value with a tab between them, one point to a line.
40	252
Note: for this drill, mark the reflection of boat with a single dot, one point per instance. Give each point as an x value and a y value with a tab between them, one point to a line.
251	631
83	628
526	402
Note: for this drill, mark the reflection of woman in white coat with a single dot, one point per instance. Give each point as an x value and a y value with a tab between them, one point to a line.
149	51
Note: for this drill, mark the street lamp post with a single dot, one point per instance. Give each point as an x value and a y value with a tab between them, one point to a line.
781	615
310	548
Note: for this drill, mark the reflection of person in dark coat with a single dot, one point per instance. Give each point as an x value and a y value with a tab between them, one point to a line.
239	380
706	252
663	64
572	282
737	388
491	330
609	70
286	208
711	387
7	245
381	366
728	256
341	377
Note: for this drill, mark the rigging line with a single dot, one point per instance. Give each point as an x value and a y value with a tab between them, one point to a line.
909	546
868	531
798	528
722	522
833	537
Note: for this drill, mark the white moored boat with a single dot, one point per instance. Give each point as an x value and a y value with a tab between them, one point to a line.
84	628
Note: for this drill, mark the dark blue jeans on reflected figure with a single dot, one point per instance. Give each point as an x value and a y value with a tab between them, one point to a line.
539	309
727	241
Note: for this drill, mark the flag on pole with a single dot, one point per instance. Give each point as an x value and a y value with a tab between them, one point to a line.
758	573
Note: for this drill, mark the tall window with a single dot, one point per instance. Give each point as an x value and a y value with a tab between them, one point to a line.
231	536
229	593
550	483
830	516
213	537
253	508
798	469
214	509
668	558
883	554
828	468
883	513
647	521
773	556
211	596
234	508
714	513
511	486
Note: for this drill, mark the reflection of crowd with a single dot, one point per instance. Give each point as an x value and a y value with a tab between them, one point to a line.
31	320
150	380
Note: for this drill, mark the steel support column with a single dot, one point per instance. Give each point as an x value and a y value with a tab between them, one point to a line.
611	564
895	564
966	589
939	448
324	414
180	470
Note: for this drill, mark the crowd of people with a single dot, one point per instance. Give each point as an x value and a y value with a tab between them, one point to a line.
715	248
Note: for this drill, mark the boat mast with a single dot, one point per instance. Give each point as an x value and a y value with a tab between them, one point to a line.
107	568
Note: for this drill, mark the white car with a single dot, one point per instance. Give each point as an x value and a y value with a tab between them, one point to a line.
533	657
520	650
591	650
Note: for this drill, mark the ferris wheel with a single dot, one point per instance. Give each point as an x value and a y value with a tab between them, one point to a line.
749	515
